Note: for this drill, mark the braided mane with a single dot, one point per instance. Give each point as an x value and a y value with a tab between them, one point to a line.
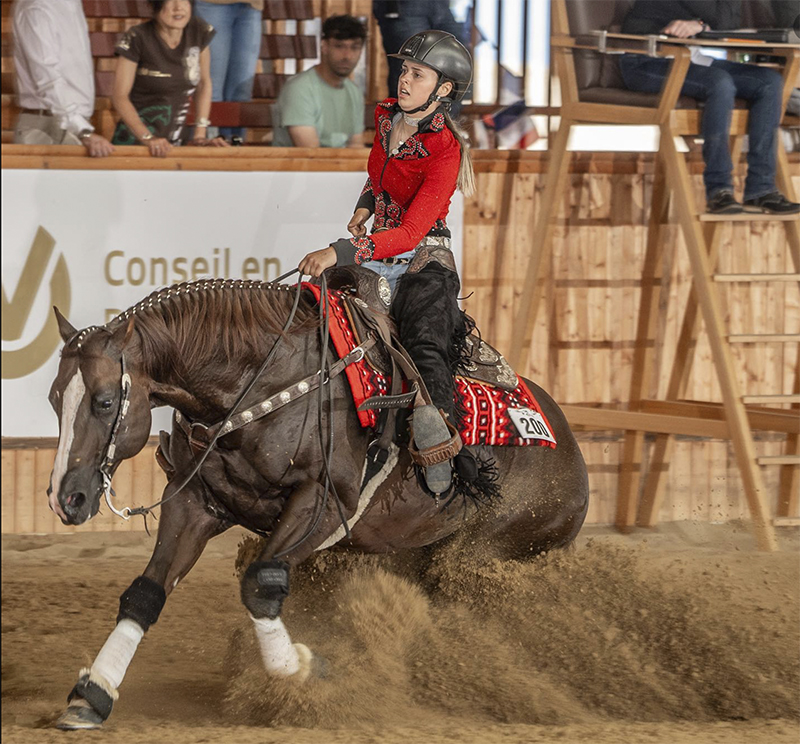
196	323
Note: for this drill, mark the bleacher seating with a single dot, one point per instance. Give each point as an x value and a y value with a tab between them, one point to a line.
107	19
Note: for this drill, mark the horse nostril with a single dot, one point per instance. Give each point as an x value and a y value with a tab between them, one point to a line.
76	500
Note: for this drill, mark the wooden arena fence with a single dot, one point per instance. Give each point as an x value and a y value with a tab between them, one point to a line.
582	344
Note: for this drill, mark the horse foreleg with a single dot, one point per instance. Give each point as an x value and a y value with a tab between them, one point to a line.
265	584
184	530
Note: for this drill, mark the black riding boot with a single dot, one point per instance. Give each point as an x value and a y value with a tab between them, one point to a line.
428	317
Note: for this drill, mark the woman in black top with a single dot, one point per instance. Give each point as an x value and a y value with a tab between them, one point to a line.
161	64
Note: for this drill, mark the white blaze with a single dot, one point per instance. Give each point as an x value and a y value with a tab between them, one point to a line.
73	396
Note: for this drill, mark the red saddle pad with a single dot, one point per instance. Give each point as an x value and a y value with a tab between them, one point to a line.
492	415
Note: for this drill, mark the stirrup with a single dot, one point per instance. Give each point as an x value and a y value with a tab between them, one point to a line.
438	453
435	458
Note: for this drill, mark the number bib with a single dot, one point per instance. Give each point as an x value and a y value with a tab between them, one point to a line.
530	424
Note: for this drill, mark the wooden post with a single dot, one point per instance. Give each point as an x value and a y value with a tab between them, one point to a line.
681	188
633	445
652	492
540	245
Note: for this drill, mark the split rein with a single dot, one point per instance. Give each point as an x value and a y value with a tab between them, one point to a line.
232	421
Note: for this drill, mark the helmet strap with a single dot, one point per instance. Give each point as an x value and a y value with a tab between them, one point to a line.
433	98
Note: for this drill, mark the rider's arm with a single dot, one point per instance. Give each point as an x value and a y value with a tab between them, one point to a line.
429	202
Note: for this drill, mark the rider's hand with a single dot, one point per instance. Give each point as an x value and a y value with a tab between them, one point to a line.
683	29
356	225
159	147
97	146
315	263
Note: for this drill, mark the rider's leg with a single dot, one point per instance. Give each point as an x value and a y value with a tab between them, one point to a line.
427	314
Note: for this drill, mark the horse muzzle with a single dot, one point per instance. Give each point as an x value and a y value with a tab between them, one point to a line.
78	499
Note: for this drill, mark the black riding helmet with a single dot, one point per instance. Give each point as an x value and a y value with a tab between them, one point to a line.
445	55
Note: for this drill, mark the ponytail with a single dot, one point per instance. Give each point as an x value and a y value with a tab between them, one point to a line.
466	173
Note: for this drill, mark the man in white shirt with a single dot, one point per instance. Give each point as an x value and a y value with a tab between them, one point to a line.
55	77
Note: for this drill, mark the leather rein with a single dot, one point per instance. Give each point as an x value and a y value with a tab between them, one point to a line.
208	435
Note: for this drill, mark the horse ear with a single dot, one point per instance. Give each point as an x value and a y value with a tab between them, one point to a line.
122	334
65	328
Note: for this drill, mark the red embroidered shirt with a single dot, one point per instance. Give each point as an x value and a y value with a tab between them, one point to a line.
409	191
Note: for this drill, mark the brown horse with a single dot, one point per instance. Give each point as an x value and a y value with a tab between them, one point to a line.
195	347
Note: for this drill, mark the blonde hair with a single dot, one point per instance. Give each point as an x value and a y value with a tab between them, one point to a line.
466	173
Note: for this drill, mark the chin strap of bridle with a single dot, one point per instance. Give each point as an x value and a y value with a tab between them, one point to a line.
108	458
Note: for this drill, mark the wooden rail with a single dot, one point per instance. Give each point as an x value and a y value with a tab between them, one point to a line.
582	345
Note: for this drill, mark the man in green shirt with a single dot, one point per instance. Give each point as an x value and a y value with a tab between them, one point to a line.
322	107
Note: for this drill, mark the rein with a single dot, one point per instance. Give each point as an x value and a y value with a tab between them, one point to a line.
233	420
145	510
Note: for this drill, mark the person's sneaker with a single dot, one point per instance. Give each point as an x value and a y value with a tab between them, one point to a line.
723	202
774	203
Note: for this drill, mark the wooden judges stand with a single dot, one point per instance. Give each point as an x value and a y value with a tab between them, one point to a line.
737	416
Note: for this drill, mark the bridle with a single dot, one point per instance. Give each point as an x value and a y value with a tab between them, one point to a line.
108	457
234	421
107	461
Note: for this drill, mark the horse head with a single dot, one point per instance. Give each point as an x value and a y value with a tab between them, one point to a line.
103	415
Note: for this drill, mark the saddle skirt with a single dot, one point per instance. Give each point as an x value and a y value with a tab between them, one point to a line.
497	406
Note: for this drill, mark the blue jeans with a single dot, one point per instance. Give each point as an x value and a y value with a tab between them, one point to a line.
413	16
717	86
234	52
391	272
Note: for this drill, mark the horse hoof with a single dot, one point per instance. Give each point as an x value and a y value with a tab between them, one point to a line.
311	665
77	717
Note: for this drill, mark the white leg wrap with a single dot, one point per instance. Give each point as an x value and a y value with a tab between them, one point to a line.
279	654
115	656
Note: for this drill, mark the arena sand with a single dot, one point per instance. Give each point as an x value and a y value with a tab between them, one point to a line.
682	636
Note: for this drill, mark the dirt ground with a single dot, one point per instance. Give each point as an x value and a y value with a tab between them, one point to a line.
686	635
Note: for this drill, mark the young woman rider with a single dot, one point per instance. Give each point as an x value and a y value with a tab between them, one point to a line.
418	158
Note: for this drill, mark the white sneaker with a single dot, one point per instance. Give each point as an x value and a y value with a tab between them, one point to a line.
791	139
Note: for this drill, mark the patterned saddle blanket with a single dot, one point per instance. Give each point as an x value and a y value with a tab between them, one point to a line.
498	407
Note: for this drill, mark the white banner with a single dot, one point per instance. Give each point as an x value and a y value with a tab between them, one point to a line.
96	242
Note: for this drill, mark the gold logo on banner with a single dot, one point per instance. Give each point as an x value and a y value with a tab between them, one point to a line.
22	362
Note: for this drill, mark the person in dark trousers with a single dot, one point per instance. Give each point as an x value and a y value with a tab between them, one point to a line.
418	159
716	83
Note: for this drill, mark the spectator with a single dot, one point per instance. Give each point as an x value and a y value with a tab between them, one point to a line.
55	76
717	83
321	107
787	15
161	64
401	19
234	50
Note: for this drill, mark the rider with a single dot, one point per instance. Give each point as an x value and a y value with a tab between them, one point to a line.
418	158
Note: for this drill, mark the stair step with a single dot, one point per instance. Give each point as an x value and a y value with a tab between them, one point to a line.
779	460
771	399
756	338
757	277
786	521
747	217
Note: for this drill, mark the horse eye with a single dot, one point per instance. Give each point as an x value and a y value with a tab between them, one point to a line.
104	404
